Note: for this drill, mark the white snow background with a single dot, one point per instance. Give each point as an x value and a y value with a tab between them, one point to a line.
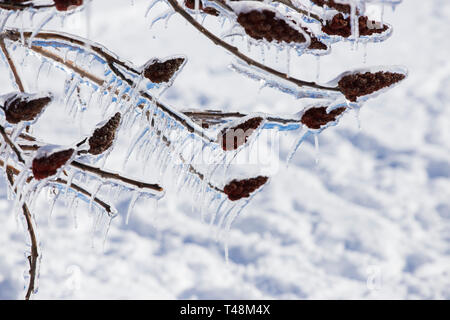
371	220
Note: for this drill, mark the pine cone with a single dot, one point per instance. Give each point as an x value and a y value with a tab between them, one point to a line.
314	118
158	71
238	189
233	138
264	25
22	107
103	137
361	84
48	165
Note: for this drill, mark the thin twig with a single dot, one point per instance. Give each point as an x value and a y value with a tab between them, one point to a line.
11	65
114	176
11	144
235	51
33	258
81	190
21	6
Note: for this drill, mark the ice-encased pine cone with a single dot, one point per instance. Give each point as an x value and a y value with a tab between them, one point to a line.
208	10
103	137
64	5
47	166
238	189
21	108
361	84
233	138
315	118
341	26
162	71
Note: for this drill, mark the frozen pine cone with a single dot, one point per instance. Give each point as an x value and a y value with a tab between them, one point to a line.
315	118
361	84
331	4
264	25
238	189
341	26
208	10
103	137
158	71
47	165
23	107
64	5
233	138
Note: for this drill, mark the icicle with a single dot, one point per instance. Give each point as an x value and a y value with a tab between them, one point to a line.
365	53
151	5
288	61
131	205
39	27
297	145
93	194
317	68
316	147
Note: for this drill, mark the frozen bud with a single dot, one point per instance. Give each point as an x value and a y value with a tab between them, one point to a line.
263	24
208	10
238	189
341	26
24	107
360	84
46	163
158	71
64	5
103	137
315	118
232	138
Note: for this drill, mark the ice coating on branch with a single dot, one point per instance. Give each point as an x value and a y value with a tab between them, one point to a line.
20	106
49	159
285	86
361	84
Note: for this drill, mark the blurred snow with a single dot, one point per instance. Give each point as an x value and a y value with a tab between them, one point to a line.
371	220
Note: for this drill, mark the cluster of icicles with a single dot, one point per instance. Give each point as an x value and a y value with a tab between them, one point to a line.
165	139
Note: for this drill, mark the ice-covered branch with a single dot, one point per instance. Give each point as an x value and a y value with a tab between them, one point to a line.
33	257
235	51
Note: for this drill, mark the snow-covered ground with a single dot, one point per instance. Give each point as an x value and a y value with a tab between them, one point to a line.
371	220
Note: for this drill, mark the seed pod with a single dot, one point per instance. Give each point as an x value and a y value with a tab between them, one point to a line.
103	137
24	107
345	8
341	26
158	71
360	84
233	138
238	189
263	24
208	10
315	118
64	5
46	163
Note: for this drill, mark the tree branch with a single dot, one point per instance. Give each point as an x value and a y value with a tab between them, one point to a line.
11	65
233	50
33	258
